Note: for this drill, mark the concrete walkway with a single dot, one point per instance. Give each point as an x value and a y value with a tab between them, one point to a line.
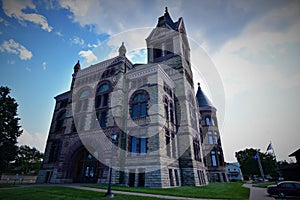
257	193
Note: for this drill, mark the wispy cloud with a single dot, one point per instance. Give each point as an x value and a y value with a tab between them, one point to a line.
15	48
15	9
28	69
88	55
77	40
44	65
58	33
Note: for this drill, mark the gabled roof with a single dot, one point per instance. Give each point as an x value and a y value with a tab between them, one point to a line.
166	21
202	99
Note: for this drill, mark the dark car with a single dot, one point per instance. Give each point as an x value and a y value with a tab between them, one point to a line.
285	188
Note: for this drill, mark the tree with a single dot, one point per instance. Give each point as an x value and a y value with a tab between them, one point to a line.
28	160
249	163
9	128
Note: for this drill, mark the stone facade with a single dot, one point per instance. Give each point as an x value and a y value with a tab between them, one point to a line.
150	109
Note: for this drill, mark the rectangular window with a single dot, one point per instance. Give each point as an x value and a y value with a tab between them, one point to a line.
171	177
174	154
103	119
210	139
133	146
168	146
176	177
143	142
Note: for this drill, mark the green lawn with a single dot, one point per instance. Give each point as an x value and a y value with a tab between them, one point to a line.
3	185
264	185
57	193
233	190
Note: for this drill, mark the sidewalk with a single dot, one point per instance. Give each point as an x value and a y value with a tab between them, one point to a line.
257	193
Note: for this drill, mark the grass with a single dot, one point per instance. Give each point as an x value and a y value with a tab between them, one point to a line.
59	193
4	185
233	190
264	185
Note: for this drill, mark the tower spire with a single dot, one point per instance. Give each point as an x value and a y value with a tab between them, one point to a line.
122	50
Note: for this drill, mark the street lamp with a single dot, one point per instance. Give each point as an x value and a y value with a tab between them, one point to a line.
109	194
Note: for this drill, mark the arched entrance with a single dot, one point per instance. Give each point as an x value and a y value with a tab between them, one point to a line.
86	167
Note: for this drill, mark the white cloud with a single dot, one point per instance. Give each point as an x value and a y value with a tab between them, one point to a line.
109	16
37	140
238	56
28	69
58	33
15	8
77	40
44	65
13	47
88	55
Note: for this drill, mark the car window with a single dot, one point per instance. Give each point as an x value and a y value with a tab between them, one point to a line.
287	185
297	185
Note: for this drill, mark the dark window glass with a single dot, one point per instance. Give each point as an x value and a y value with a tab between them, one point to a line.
133	146
139	105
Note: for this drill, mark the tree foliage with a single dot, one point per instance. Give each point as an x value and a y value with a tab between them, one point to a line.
9	128
28	160
249	164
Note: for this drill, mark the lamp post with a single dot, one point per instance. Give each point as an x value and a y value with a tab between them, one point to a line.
109	194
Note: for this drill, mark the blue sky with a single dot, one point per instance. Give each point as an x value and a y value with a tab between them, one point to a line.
254	47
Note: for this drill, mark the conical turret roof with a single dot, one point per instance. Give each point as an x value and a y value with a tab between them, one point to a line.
203	101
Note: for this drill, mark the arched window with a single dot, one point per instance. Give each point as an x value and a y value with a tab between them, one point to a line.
213	122
138	103
207	121
172	113
102	96
101	104
213	159
60	120
210	138
196	146
82	102
166	106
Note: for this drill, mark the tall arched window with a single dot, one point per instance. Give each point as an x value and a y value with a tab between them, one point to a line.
213	159
101	104
60	120
172	113
138	103
82	102
166	106
207	121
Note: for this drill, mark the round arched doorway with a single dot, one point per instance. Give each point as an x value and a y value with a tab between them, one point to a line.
86	167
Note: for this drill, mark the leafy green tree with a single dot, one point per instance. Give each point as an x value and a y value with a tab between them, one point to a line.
249	164
9	128
28	160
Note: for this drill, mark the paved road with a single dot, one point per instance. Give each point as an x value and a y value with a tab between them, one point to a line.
261	194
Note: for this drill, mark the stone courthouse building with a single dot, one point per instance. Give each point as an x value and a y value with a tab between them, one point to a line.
143	121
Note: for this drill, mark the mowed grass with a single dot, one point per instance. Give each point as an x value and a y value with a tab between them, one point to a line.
264	185
56	192
233	190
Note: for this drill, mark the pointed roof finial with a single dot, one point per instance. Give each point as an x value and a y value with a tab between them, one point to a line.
199	84
77	67
166	9
122	50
